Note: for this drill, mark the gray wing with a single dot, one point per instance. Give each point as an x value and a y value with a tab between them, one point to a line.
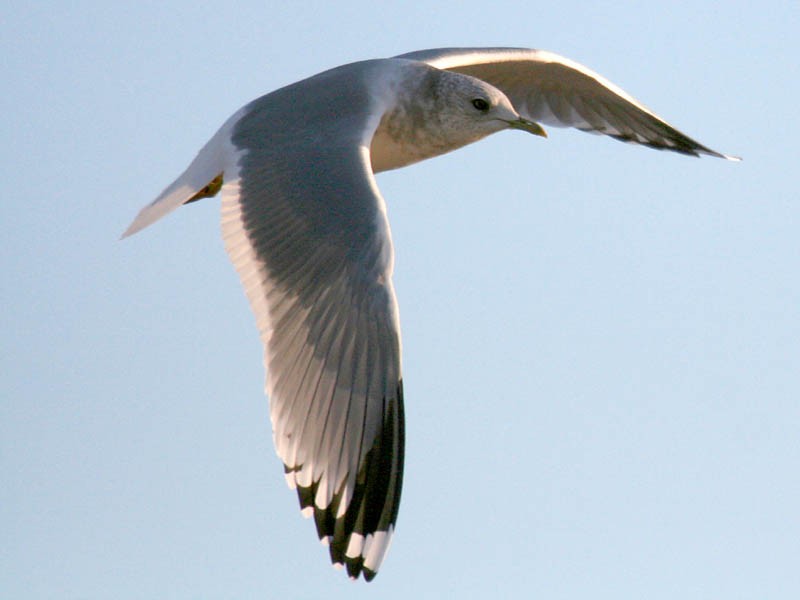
306	228
554	90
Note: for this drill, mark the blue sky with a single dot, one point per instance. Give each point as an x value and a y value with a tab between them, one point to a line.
601	355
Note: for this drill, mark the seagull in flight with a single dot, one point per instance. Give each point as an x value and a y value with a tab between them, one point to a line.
306	228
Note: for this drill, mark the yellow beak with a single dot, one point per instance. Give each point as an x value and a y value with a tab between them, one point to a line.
529	126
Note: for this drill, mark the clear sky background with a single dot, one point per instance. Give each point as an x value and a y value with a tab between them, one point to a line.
601	342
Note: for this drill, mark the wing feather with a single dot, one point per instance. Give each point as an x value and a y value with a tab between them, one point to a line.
307	231
557	91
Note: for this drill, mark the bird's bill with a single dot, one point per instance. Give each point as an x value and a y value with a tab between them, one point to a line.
529	126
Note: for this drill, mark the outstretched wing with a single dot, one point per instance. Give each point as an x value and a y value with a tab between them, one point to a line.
306	228
554	90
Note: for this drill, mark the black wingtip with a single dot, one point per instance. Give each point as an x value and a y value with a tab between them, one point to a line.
375	499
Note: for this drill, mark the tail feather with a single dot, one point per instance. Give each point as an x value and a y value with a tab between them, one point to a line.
202	178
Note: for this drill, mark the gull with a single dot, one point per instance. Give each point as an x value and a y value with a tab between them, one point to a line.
306	228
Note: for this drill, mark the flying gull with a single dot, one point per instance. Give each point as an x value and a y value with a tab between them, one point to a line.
306	229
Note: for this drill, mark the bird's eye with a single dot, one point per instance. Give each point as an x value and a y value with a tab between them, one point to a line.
481	104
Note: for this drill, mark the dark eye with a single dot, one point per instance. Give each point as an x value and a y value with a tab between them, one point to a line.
481	104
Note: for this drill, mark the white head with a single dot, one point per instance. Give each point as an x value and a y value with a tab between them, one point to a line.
439	111
472	105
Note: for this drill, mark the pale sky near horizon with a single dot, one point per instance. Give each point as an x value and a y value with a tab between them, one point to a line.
600	342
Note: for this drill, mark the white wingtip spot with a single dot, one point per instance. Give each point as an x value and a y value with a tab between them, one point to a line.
307	511
375	549
355	545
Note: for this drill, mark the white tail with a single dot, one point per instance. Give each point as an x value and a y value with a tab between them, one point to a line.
212	160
